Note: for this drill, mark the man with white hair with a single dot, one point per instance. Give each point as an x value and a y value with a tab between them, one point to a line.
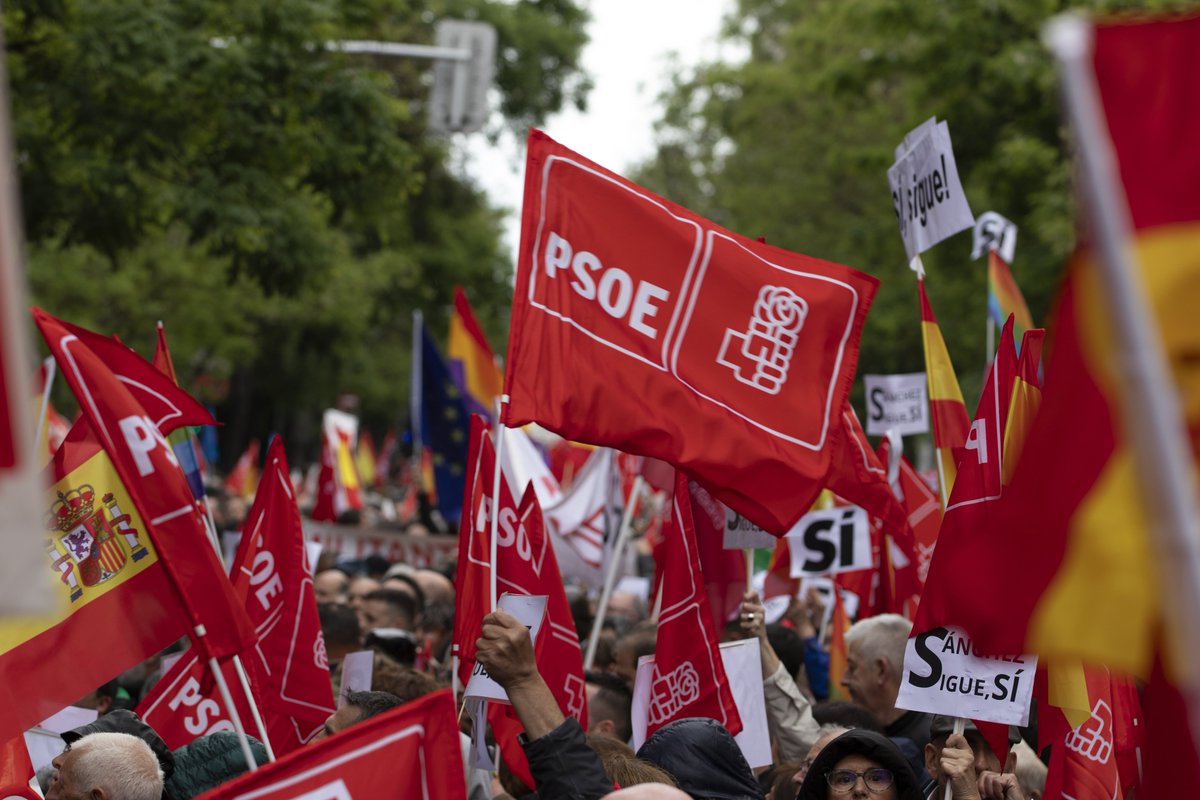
107	766
874	668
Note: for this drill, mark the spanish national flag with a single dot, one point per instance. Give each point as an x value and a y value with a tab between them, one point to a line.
946	406
471	359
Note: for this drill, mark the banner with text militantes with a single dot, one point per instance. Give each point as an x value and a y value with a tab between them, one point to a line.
927	196
944	675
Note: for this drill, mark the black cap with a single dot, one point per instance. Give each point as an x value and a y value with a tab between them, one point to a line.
125	721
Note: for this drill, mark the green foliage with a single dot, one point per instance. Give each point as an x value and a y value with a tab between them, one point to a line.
794	144
211	163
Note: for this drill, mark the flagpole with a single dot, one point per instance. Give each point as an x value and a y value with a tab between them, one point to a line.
1151	409
415	405
493	544
234	717
610	578
51	370
237	659
960	725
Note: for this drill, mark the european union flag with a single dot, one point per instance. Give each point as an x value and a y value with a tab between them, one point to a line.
441	412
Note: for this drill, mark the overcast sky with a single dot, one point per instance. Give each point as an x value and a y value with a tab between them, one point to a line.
628	58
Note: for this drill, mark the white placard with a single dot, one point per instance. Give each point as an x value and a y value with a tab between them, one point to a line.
741	533
897	401
358	669
529	610
44	741
829	541
942	676
743	669
635	585
927	195
994	232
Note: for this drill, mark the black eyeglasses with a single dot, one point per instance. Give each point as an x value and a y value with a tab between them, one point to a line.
842	781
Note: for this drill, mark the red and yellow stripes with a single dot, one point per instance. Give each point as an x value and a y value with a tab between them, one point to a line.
468	346
946	406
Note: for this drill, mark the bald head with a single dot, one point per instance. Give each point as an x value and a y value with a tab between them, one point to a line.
648	791
107	766
436	586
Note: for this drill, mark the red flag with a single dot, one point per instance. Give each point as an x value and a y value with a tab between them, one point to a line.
273	577
1084	761
637	324
724	570
185	702
131	430
924	509
16	770
242	480
838	653
859	476
689	678
525	564
410	751
977	488
288	669
778	581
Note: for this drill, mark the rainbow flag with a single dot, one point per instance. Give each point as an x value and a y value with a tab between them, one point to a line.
839	623
471	360
183	441
1005	298
946	406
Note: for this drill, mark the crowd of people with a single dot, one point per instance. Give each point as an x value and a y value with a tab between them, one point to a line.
822	747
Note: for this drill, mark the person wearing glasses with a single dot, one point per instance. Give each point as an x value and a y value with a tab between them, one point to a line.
859	765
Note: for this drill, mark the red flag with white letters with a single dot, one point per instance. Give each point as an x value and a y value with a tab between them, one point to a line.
410	751
525	564
641	326
130	423
689	677
287	665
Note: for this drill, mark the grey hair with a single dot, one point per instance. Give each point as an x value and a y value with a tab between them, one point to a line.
120	763
882	636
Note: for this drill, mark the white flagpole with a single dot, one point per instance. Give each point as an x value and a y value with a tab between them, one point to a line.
237	659
492	545
1152	414
610	579
234	717
51	370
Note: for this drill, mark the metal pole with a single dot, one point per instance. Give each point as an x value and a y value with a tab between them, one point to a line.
1152	416
254	712
493	544
51	370
610	579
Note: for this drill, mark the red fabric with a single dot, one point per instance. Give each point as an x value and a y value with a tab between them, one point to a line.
689	677
1169	755
1084	762
724	570
185	703
924	509
323	508
779	581
643	327
977	490
272	576
16	770
242	478
525	564
147	467
410	751
859	476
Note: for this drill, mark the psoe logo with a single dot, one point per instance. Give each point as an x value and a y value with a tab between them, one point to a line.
761	355
673	691
89	543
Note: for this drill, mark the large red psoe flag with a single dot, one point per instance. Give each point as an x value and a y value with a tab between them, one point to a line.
525	564
185	703
689	677
641	326
412	751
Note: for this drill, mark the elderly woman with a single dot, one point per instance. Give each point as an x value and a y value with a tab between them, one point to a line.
859	765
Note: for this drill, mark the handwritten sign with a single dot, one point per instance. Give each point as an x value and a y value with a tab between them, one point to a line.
927	196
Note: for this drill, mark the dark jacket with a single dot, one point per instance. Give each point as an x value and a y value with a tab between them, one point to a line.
125	721
874	746
208	761
705	760
564	767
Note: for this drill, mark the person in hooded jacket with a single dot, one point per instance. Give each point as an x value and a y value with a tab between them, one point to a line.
704	759
859	765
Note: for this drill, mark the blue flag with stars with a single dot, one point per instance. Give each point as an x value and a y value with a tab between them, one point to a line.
444	424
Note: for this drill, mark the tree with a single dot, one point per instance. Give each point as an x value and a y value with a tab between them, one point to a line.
794	144
279	205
